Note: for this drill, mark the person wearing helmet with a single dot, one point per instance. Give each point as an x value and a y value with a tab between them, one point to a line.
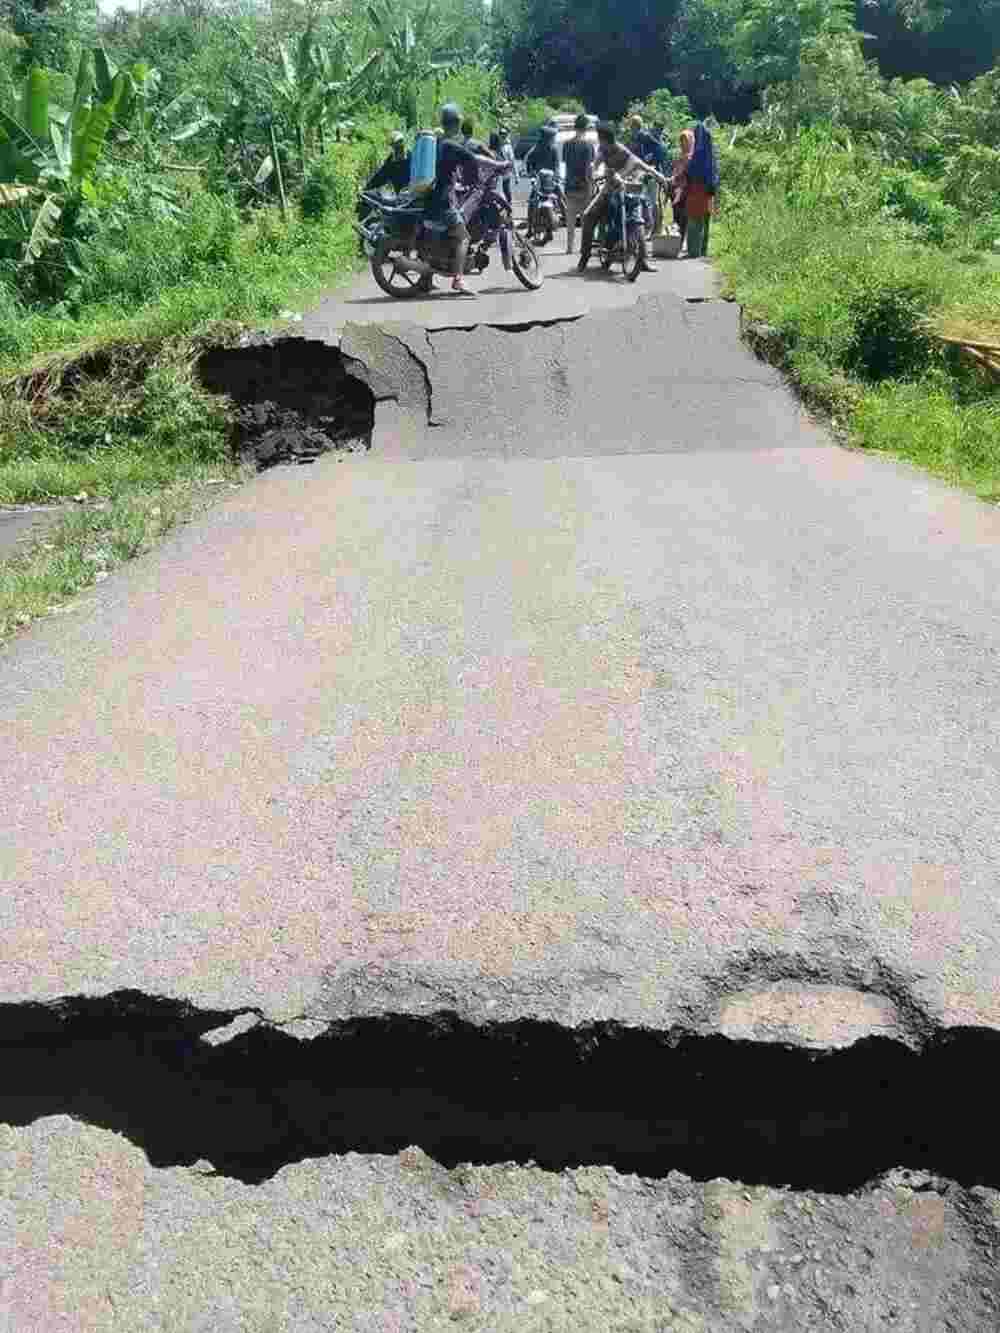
454	160
395	170
545	155
579	156
618	162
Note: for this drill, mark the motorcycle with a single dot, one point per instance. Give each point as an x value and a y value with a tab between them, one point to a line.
621	237
545	208
368	214
404	247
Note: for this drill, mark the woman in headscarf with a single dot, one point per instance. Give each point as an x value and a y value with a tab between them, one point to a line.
679	183
701	176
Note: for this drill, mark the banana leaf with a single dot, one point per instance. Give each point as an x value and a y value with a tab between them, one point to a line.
41	235
11	195
196	127
63	153
88	140
22	157
106	72
287	67
84	81
35	103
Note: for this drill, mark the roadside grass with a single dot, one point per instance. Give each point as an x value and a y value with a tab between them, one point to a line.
104	404
141	421
269	265
88	543
855	302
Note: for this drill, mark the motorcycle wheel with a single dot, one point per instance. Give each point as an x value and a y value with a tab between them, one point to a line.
402	286
635	254
525	264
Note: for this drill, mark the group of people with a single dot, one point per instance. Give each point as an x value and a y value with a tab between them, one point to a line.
460	156
691	182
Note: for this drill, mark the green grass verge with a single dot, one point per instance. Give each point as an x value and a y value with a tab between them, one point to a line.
89	543
107	405
851	301
267	266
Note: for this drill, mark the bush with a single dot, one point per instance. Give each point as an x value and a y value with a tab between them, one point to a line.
11	312
135	256
662	107
530	113
320	191
912	197
972	180
888	338
928	422
853	289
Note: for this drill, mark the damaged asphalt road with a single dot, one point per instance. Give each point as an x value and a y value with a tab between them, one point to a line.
434	869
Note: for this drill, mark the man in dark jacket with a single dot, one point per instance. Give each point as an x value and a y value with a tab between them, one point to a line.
579	155
454	162
395	170
545	155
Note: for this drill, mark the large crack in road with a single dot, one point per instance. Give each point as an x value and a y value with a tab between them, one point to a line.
251	1098
595	384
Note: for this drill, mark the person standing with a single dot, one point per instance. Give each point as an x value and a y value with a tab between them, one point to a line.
454	160
678	182
618	162
496	150
395	170
701	178
579	156
508	155
545	154
646	146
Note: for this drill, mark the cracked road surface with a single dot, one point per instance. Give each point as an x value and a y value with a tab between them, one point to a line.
501	299
603	690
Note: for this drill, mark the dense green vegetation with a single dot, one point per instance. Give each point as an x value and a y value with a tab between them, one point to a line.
721	54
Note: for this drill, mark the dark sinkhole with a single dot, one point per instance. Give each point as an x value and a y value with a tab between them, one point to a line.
632	1099
294	399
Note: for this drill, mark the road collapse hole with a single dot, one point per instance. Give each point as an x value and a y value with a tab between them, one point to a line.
295	399
639	1101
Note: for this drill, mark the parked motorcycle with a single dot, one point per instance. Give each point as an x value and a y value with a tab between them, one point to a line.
546	210
405	248
621	238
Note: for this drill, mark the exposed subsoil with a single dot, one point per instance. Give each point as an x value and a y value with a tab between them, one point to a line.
295	399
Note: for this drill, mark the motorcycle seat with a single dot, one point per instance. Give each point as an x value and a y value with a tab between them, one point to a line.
408	214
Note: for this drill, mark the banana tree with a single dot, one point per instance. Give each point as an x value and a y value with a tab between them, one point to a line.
49	155
312	88
316	85
416	49
148	130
